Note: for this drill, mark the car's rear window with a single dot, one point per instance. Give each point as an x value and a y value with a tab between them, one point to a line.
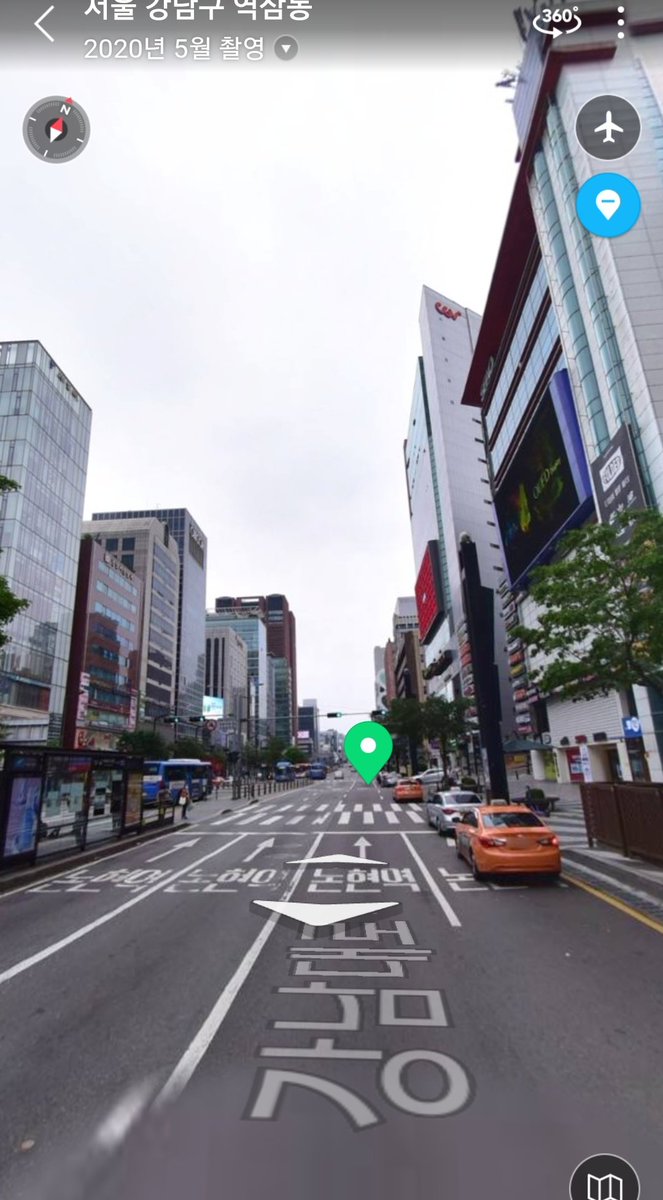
511	820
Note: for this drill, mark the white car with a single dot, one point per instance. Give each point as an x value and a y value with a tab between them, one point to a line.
445	809
433	777
339	775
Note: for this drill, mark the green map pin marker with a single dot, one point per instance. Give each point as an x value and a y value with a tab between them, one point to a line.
368	746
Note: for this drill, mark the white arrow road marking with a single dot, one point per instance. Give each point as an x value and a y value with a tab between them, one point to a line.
319	915
362	842
263	846
337	858
179	846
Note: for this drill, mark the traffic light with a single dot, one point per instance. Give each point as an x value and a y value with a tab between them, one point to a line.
333	714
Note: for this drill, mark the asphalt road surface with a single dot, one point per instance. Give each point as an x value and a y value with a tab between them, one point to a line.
162	1036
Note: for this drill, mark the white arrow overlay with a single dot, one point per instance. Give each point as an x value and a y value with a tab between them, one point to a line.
323	914
179	846
362	843
263	846
336	858
37	23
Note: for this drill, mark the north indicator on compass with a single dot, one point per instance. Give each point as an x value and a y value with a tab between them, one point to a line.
56	129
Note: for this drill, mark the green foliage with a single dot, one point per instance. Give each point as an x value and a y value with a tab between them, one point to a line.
274	751
144	743
294	755
601	618
10	604
188	747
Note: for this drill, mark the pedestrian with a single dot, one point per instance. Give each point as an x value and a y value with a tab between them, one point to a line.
185	802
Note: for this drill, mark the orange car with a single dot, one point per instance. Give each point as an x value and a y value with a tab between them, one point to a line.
407	789
498	839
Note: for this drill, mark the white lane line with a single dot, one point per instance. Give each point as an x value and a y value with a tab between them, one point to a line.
257	816
212	1023
294	820
392	818
32	961
321	820
180	846
271	820
395	807
377	808
322	807
432	883
340	808
358	808
116	1125
344	818
369	818
414	816
302	807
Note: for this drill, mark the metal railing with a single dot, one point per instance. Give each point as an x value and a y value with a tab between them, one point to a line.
626	816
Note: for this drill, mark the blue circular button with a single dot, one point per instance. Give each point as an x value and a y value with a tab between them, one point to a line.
608	205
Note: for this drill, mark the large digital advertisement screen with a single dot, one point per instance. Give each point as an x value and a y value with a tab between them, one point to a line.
428	592
546	490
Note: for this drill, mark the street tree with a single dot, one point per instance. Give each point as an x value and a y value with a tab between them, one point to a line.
405	722
446	721
600	620
144	743
294	755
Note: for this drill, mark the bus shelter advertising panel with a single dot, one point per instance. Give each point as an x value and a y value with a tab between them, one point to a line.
546	489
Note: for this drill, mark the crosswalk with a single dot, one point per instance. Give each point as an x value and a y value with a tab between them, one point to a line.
369	815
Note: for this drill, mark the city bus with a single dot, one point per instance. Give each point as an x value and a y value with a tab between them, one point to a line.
174	773
317	770
284	770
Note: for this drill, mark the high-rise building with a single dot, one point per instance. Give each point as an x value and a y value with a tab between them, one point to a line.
449	496
308	737
145	547
227	678
390	671
192	545
567	372
104	663
380	676
247	617
281	644
44	440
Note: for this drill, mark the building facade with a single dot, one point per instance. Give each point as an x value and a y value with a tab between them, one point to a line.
44	441
246	616
568	369
409	674
104	664
308	728
282	644
144	546
449	496
379	677
227	678
190	657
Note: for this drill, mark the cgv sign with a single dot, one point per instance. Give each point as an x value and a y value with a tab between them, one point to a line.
444	311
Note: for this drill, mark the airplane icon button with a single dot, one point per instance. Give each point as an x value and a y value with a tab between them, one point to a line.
608	127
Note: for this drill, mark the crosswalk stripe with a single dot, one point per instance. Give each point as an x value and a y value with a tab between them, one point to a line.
271	820
395	807
344	818
358	808
292	821
321	820
285	808
414	816
340	807
392	818
377	808
322	807
251	819
369	818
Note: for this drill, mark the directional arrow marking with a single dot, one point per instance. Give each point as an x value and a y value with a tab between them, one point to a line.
362	843
263	846
336	858
37	23
323	914
179	846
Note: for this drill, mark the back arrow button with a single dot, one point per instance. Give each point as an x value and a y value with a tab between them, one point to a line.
39	26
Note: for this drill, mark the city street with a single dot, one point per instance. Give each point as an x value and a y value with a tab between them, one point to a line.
162	1036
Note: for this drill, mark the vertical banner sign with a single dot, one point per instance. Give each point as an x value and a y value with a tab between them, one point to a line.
134	799
21	835
617	481
585	763
83	698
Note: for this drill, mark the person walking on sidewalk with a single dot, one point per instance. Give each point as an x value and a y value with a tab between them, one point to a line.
185	802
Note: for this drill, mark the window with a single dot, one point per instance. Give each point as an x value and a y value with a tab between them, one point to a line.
111	543
129	543
127	560
514	820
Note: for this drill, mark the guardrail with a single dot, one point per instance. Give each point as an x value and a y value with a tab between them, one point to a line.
626	816
247	789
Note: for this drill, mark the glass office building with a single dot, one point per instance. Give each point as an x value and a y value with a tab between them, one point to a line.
192	545
44	441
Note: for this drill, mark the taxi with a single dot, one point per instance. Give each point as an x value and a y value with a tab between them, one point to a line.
409	789
502	839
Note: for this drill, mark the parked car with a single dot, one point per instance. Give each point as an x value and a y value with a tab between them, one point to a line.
445	809
409	789
339	774
507	839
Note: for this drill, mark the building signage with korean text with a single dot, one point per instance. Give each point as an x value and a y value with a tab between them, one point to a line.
617	480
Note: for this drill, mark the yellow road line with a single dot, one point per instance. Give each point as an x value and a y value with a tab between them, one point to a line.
625	908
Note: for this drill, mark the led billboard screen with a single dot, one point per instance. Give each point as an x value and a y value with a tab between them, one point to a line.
546	489
213	708
428	592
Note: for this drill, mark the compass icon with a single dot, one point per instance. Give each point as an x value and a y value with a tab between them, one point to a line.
56	129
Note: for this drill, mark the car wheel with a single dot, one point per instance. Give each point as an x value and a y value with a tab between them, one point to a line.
478	875
441	830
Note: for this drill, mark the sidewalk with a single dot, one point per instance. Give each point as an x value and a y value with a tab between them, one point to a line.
632	880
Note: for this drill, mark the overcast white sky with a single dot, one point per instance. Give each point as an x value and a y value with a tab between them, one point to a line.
231	275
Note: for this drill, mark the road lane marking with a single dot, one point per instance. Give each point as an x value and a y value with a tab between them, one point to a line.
322	807
392	818
48	951
321	820
172	850
344	818
358	808
292	821
377	808
414	816
625	908
211	1025
432	883
254	817
369	818
271	820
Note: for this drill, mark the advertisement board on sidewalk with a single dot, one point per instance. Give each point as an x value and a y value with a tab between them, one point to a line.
134	799
23	818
